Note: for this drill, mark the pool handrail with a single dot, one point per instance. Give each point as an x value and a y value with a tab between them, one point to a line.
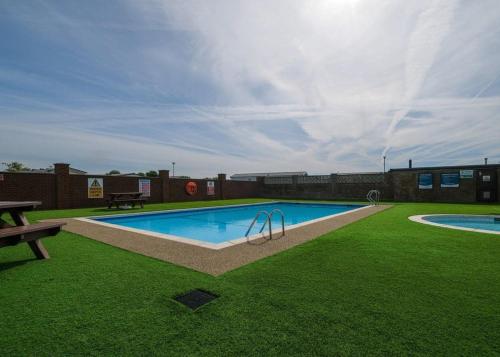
270	220
255	220
373	197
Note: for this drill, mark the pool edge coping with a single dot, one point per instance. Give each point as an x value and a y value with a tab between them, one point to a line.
420	219
213	246
211	261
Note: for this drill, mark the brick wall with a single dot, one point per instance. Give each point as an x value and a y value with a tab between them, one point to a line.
78	196
178	190
498	184
329	187
64	190
405	185
406	188
398	185
28	187
241	189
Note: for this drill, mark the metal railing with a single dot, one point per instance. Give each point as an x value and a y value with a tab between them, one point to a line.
255	220
373	196
268	222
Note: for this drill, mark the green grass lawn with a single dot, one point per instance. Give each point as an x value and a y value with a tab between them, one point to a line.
383	285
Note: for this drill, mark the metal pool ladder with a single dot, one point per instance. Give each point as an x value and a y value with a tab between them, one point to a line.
373	197
269	216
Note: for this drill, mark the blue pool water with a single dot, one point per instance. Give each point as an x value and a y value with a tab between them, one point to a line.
476	222
216	225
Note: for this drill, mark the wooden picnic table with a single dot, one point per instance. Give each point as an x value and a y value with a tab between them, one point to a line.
123	198
23	231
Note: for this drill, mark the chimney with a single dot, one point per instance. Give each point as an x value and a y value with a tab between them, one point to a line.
409	164
486	161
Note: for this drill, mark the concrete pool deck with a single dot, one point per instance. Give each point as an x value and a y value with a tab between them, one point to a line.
206	260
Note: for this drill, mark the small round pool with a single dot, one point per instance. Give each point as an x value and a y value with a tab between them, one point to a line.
475	223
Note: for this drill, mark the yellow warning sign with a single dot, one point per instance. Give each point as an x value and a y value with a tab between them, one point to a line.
95	188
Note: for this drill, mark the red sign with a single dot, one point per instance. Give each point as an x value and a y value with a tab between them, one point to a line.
191	188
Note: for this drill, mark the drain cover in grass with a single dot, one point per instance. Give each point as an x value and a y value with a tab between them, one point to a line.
195	298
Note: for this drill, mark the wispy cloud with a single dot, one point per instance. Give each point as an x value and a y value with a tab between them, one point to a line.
231	86
424	43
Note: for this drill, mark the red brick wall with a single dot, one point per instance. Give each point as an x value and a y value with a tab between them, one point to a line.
29	187
63	190
337	187
498	184
79	194
405	185
241	189
178	191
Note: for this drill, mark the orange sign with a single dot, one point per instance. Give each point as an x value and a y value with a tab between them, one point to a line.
191	188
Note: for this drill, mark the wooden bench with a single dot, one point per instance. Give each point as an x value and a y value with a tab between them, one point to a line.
30	234
23	231
123	198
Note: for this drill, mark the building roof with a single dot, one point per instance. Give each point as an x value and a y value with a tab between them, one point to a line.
131	174
50	170
455	167
267	174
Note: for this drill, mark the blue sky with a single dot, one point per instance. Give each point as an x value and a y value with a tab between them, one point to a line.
240	86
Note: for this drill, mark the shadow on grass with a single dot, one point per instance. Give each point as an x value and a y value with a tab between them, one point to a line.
10	265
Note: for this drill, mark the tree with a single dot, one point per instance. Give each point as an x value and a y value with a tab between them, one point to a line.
141	174
113	172
152	173
15	166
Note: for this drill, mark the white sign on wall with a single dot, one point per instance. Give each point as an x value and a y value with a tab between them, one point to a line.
466	174
210	188
145	187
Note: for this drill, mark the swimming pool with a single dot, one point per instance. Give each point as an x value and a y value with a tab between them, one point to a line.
475	223
222	224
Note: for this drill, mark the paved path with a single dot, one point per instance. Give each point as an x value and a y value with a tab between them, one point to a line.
214	262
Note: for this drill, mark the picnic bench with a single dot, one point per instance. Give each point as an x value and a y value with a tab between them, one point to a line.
125	198
23	231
